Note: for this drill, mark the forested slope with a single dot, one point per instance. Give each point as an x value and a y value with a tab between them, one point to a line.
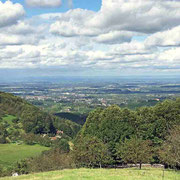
118	131
32	119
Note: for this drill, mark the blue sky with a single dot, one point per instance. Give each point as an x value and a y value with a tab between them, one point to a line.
93	5
92	37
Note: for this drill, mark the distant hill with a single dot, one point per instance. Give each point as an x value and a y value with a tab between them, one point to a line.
31	119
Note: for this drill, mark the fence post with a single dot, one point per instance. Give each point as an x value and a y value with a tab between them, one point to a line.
163	175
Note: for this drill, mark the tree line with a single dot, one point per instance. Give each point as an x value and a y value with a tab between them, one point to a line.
115	136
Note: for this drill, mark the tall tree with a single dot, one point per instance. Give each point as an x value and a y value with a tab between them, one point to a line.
135	151
170	150
90	152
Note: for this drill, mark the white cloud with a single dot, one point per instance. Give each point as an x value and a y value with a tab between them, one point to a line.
132	48
12	39
21	27
43	3
108	40
10	13
116	19
170	56
166	38
115	37
137	15
19	57
23	32
72	23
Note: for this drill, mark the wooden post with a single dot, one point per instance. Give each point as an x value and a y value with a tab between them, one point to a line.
163	175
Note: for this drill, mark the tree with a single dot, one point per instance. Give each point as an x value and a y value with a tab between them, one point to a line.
62	144
3	134
170	150
135	151
110	126
90	152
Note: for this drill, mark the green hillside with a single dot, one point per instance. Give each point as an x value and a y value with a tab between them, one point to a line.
31	118
102	174
11	153
110	137
9	119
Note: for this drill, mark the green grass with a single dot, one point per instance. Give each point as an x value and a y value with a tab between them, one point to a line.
103	174
11	153
9	119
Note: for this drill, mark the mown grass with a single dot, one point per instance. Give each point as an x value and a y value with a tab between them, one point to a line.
11	153
103	174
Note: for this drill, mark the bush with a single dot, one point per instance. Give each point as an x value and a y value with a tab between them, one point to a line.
53	159
62	144
29	139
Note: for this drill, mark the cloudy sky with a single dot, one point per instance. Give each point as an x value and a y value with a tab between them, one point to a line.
89	37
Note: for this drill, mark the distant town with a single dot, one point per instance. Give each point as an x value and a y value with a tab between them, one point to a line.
83	97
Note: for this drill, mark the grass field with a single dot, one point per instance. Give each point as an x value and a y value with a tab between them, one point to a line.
103	174
11	153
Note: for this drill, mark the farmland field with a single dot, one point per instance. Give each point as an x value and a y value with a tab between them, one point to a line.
11	153
103	174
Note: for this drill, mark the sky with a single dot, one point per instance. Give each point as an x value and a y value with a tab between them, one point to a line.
89	38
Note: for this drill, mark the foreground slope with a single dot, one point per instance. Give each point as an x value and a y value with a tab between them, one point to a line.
103	174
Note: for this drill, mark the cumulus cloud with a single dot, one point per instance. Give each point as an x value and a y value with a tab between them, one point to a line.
165	38
72	24
12	39
115	37
132	48
108	40
43	3
118	21
137	15
10	13
170	56
24	56
120	15
23	32
21	27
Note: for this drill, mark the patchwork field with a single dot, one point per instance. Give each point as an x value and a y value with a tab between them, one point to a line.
103	174
11	153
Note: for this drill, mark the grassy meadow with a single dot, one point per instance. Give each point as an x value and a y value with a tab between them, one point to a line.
11	153
103	174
